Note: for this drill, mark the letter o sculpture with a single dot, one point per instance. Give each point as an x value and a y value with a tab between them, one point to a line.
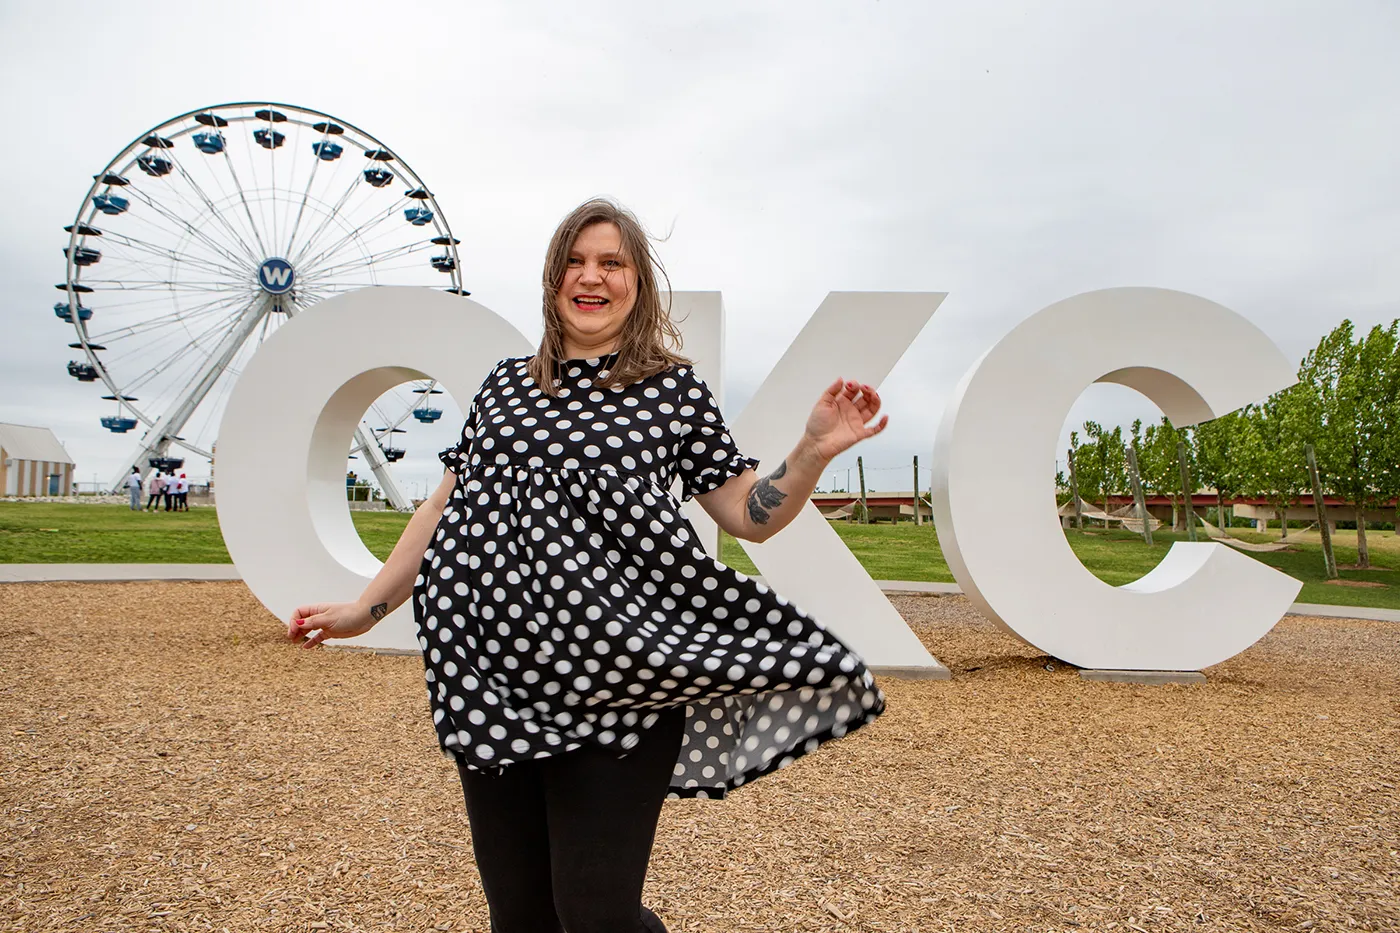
994	499
289	422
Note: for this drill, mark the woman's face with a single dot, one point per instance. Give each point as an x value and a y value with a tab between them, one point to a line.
598	291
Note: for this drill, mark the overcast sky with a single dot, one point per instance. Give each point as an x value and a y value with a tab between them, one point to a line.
1011	154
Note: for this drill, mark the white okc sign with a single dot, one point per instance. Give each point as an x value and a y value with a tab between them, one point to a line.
289	531
994	503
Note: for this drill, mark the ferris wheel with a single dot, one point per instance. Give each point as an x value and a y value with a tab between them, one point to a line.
208	231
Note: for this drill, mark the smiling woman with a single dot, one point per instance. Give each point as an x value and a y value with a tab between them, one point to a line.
601	295
585	657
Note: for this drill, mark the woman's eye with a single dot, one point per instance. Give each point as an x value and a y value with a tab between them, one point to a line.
575	261
612	264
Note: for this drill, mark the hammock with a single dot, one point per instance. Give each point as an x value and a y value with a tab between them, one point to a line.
1128	516
1221	537
1088	511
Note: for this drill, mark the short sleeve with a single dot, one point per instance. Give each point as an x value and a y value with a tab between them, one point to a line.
458	458
709	458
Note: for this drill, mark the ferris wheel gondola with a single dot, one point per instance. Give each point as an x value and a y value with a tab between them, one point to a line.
206	232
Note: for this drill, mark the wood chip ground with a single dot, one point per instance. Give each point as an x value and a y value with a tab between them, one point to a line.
167	762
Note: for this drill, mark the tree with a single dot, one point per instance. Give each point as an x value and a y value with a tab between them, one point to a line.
1349	388
1100	463
1219	445
1271	449
1110	461
1160	469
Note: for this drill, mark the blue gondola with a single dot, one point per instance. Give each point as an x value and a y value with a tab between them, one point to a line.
209	143
427	415
393	454
269	139
444	263
65	312
327	151
378	177
166	464
111	204
83	372
418	216
118	425
85	256
154	165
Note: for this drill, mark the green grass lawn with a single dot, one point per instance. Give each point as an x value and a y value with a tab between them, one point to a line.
64	533
909	552
60	533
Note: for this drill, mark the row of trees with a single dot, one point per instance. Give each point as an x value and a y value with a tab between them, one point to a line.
1345	406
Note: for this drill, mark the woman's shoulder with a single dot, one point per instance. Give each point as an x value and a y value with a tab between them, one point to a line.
509	365
683	376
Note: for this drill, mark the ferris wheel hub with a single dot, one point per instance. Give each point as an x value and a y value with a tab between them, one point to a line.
276	276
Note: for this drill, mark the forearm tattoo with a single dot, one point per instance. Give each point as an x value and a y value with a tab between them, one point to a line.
378	612
764	497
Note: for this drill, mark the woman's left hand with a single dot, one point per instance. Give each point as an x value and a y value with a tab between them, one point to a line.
841	418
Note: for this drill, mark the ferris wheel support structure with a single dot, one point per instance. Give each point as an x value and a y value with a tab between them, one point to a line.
380	467
157	440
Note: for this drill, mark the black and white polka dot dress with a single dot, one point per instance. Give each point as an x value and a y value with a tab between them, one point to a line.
564	600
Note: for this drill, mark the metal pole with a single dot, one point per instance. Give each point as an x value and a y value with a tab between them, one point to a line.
1074	494
1141	502
918	505
931	496
1329	559
864	511
1186	491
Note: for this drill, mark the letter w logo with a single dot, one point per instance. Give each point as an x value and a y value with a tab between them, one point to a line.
276	277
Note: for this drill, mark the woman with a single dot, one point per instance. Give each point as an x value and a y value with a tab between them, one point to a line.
584	656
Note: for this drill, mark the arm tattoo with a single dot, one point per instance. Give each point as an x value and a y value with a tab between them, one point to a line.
378	612
765	496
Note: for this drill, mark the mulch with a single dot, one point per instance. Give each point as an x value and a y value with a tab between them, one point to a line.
167	762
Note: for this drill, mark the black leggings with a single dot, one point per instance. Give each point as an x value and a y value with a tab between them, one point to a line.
562	843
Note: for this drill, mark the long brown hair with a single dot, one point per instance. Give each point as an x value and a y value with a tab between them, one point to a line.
650	341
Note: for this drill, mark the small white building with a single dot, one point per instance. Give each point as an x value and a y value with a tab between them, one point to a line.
33	462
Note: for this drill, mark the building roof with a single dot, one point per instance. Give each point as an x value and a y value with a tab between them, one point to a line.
22	442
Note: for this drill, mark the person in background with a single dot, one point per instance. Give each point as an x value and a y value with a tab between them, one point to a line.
133	486
182	494
156	488
167	492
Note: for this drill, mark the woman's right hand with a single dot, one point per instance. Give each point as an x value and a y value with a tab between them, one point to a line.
318	621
